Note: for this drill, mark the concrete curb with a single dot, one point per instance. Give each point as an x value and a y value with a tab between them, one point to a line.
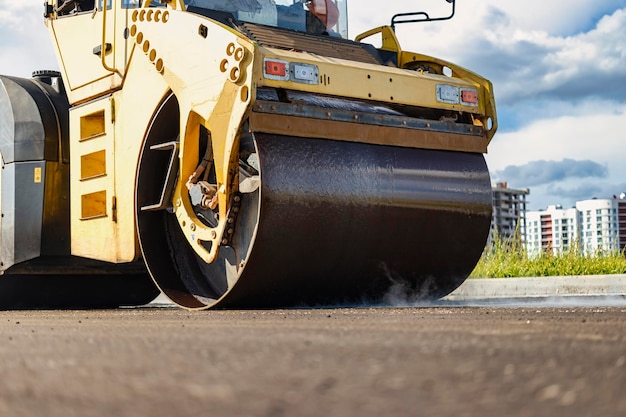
481	289
589	285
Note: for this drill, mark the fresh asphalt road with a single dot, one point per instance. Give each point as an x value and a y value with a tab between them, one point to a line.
456	361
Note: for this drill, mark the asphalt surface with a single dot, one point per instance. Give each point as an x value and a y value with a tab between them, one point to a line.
413	361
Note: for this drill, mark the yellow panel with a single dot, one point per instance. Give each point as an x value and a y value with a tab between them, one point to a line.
110	234
344	78
93	165
92	181
92	125
93	205
354	132
78	39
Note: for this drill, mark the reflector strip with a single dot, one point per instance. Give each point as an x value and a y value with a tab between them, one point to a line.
447	94
275	68
303	73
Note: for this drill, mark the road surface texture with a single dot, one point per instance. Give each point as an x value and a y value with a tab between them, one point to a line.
428	361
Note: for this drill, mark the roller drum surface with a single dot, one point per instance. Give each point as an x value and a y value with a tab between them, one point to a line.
341	222
335	223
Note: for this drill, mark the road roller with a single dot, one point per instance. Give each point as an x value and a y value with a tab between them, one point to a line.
238	154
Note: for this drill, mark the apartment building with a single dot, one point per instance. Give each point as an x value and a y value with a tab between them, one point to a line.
592	225
621	221
553	230
599	222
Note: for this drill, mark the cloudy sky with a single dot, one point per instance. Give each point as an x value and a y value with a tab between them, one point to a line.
558	69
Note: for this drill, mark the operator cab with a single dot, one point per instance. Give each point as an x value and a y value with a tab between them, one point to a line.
318	17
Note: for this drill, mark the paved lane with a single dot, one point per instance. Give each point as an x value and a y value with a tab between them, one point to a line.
445	361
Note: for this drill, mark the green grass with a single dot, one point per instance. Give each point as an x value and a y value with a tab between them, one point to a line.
509	259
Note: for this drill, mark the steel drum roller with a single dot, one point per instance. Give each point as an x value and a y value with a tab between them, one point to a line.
334	223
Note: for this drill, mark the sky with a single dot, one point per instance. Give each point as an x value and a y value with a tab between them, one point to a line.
558	68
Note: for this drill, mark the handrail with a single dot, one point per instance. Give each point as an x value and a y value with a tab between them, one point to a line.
390	41
425	17
103	48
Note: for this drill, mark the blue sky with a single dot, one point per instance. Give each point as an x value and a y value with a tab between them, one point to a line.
558	69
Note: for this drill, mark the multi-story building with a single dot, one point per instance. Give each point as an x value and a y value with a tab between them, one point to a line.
553	230
621	221
509	212
599	221
592	225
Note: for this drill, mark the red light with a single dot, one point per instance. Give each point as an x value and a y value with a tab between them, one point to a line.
469	96
275	68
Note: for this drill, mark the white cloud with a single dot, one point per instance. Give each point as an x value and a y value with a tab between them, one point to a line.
521	48
555	17
25	45
527	64
595	136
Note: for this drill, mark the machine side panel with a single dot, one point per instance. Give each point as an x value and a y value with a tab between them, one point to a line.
7	124
29	190
28	128
32	124
92	183
55	233
105	138
7	222
22	209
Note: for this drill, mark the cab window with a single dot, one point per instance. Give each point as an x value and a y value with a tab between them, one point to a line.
327	17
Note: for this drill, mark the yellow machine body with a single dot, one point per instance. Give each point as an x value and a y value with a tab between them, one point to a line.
122	64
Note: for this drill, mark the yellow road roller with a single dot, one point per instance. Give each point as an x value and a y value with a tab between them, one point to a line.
238	154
